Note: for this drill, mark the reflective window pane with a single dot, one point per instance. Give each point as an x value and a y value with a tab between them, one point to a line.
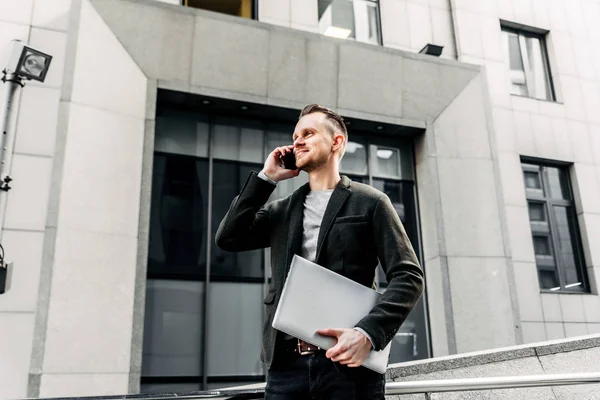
234	329
366	21
532	180
528	66
278	135
514	48
173	328
386	161
178	216
395	192
355	159
350	19
566	252
239	140
547	275
558	183
181	134
541	245
517	70
538	84
229	178
537	212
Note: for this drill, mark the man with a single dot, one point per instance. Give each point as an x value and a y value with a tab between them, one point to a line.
341	225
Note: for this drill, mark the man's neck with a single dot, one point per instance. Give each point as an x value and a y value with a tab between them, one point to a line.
325	178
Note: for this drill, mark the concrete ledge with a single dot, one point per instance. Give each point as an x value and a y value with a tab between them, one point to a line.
491	356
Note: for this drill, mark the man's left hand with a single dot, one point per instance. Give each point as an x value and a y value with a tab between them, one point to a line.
352	347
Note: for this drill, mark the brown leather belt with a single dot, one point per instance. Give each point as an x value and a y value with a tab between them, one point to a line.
304	348
301	347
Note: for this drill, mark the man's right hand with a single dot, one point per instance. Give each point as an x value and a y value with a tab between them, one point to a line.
273	167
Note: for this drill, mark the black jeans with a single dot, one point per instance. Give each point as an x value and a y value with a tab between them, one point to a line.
295	377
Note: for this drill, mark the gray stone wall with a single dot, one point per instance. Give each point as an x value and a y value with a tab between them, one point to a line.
581	355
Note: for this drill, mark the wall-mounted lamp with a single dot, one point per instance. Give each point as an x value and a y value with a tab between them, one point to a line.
28	63
24	63
432	50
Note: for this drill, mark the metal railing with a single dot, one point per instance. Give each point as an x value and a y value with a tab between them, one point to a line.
391	388
501	382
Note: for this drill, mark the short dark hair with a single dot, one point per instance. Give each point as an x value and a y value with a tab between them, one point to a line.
334	118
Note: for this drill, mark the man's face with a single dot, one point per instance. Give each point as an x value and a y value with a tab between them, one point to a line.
313	142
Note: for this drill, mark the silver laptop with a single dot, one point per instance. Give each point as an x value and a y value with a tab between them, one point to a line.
315	298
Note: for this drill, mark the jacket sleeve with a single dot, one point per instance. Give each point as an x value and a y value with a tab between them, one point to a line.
404	275
246	224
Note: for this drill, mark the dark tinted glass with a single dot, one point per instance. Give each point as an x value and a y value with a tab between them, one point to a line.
229	178
178	217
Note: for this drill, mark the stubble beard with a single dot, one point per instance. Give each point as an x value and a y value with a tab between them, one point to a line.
316	162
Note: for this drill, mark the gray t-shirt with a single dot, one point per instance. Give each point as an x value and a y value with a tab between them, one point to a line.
314	209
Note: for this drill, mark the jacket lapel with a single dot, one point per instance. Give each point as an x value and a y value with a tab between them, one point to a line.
337	200
295	219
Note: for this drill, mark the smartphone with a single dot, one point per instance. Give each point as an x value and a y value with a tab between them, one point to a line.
289	160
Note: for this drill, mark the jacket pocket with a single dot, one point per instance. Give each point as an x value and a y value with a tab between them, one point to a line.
269	299
351	219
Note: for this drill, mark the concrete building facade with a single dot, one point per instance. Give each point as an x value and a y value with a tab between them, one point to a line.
153	113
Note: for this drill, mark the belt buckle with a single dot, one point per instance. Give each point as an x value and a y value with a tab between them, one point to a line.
305	352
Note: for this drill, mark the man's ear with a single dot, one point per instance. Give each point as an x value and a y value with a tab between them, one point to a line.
338	141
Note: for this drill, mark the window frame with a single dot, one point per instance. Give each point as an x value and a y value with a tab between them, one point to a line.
253	8
542	196
522	34
377	5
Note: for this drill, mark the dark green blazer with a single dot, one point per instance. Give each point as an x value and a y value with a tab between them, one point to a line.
360	227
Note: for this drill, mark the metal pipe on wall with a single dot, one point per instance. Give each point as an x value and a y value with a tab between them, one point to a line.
12	83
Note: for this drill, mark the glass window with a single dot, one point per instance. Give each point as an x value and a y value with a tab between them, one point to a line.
528	63
391	162
178	217
234	325
536	212
173	337
239	8
355	159
239	140
556	241
248	266
350	19
557	183
177	134
532	180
